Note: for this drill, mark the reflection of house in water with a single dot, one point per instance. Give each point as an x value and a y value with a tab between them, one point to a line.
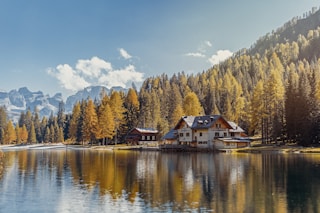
146	165
205	132
140	136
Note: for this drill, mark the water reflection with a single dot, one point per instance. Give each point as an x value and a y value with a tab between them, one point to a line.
95	180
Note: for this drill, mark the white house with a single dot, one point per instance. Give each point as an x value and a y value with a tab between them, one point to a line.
205	132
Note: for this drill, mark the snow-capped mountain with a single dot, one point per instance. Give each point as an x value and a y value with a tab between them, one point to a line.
94	92
17	101
22	99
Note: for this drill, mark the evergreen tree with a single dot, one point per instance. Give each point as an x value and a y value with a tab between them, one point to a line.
60	135
257	111
18	134
37	126
57	135
28	119
22	119
32	134
43	127
2	136
47	135
3	118
3	124
61	120
75	122
303	111
52	134
81	122
291	104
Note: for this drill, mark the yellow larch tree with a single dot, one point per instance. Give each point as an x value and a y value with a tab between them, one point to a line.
132	106
177	114
24	133
90	128
191	105
117	106
10	133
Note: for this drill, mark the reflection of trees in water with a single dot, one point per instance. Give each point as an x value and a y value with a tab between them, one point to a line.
302	186
1	164
180	181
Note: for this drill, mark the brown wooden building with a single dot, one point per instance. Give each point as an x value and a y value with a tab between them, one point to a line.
140	136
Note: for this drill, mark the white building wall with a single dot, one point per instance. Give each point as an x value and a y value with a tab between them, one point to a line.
200	135
185	134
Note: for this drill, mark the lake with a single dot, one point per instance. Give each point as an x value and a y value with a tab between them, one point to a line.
85	180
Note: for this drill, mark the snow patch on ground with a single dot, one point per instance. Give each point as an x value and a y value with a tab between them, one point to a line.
32	147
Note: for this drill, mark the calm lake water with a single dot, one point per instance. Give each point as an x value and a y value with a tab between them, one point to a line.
69	180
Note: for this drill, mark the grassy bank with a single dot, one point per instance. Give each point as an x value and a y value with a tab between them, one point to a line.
257	147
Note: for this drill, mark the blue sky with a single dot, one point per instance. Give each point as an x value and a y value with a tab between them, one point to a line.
63	46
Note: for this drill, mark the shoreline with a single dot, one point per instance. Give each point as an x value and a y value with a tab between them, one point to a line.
258	148
268	148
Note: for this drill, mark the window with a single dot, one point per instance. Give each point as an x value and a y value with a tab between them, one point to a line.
181	134
153	138
218	126
216	134
142	138
200	134
148	138
187	134
225	134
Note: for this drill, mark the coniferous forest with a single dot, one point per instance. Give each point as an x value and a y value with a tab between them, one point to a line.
272	90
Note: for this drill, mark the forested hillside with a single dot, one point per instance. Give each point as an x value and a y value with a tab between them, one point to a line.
271	89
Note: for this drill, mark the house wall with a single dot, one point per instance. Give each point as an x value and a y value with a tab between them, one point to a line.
200	135
235	134
243	144
206	137
224	145
218	133
185	134
137	137
170	142
229	144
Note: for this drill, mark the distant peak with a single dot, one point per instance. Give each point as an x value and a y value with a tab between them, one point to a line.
24	90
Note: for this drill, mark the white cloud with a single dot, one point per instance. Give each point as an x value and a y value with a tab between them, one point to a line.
204	46
94	71
93	67
121	77
68	77
124	53
208	43
201	50
198	55
220	56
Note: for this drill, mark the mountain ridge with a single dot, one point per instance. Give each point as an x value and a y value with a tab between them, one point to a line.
20	100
